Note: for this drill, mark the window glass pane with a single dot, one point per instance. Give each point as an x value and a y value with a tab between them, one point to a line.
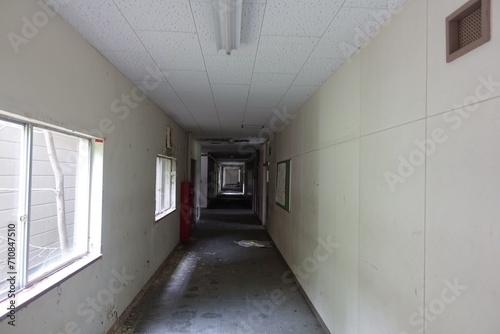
11	148
165	182
167	163
172	189
158	186
58	228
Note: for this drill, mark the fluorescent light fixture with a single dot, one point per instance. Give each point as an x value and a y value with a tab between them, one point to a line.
227	24
251	126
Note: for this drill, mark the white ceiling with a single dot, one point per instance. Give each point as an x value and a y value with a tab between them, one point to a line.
288	49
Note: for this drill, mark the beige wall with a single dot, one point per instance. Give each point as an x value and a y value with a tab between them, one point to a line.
57	77
401	239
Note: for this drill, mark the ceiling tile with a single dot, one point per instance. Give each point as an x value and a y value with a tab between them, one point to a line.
258	112
300	93
374	3
317	71
173	50
204	96
174	40
283	54
150	15
156	90
230	98
208	120
188	81
134	65
203	17
172	107
299	17
251	24
227	108
212	133
244	1
186	120
231	118
263	101
229	70
295	98
198	100
350	29
100	22
206	113
257	116
209	128
271	83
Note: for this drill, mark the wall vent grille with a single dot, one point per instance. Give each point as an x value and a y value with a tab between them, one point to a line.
467	28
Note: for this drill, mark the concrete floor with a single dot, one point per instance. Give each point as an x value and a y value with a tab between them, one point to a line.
213	285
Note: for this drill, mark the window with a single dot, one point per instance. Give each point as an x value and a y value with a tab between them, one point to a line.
165	186
45	187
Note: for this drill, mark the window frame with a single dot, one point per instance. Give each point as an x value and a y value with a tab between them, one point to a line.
28	290
173	186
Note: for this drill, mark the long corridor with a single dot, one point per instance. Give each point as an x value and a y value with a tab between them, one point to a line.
213	285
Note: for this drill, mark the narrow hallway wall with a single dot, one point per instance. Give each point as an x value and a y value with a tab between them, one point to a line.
394	184
59	78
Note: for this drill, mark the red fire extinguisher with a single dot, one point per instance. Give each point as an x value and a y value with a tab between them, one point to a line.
185	195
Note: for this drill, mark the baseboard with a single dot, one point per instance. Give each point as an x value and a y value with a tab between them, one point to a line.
302	291
123	317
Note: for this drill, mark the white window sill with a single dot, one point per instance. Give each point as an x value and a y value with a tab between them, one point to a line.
163	214
29	294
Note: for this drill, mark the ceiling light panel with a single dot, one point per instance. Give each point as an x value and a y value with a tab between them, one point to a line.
227	24
251	25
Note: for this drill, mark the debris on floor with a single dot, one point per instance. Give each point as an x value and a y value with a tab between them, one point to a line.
214	286
254	243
